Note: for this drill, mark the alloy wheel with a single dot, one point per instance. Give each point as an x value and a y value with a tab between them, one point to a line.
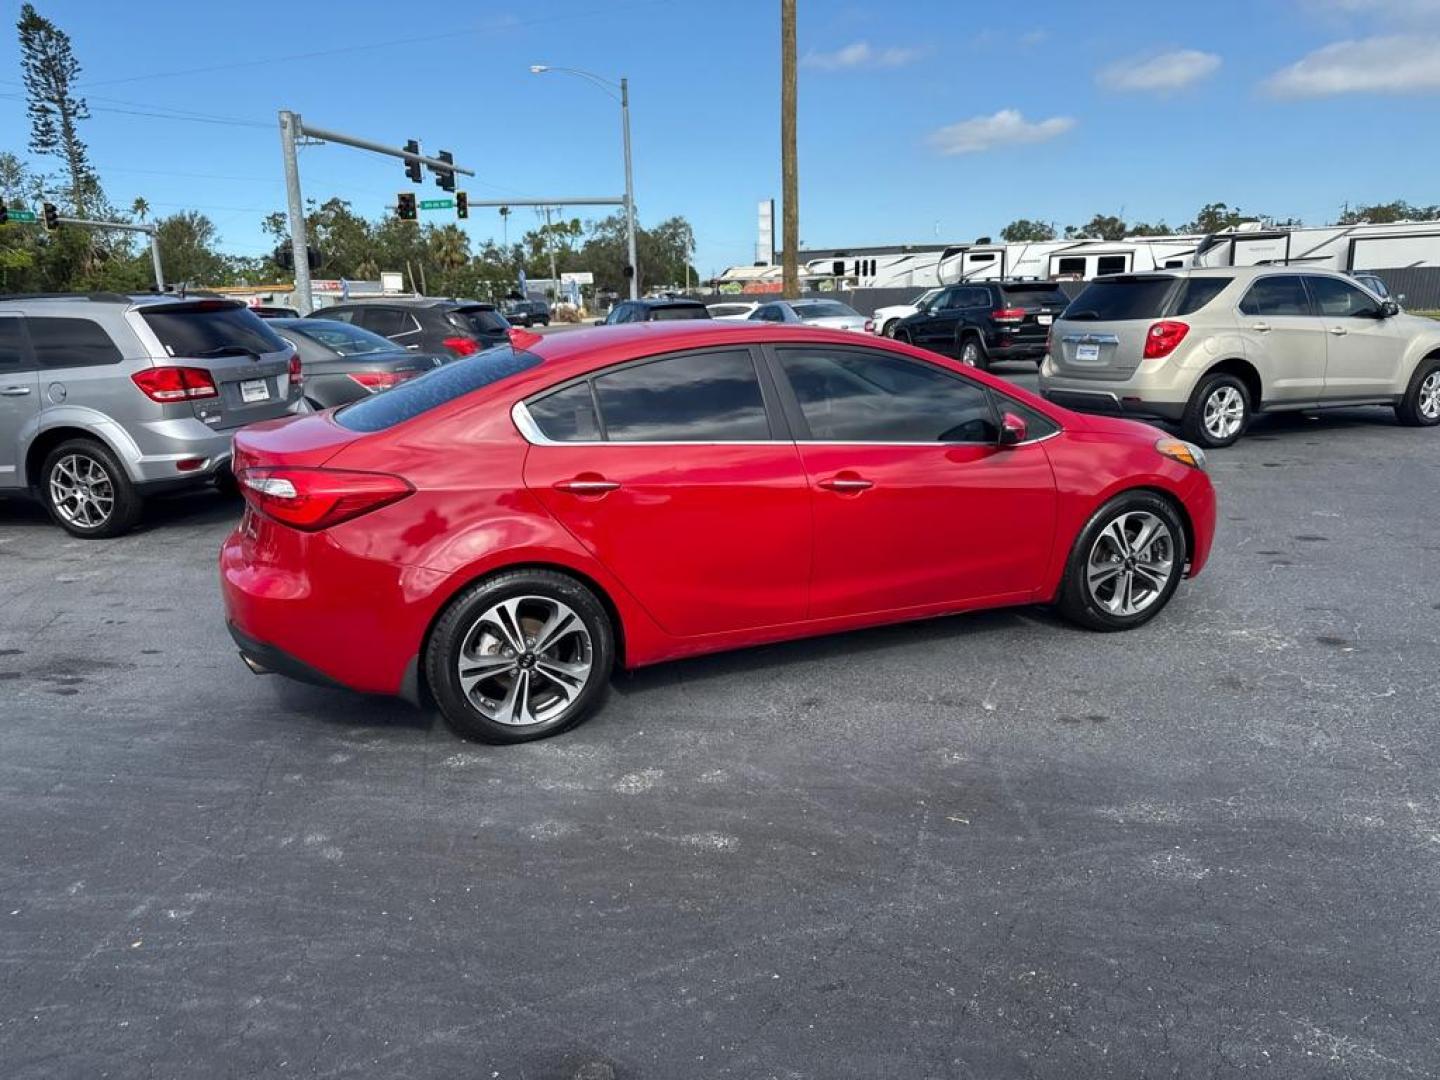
1429	400
525	660
82	491
1224	412
970	354
1130	563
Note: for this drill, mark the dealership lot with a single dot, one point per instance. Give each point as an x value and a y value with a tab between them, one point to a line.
985	846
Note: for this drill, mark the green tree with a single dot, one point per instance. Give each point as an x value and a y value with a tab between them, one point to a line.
1216	216
49	70
1023	230
187	248
140	208
1101	226
1141	228
1387	213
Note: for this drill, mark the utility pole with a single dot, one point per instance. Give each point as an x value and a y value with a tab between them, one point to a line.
550	243
629	191
299	242
789	168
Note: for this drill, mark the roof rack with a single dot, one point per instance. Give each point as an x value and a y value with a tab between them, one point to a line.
103	297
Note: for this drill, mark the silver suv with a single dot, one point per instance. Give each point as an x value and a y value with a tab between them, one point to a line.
1210	347
105	399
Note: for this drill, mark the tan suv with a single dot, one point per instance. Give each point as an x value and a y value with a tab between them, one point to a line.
1208	348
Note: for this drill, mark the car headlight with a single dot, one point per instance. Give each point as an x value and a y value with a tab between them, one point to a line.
1184	452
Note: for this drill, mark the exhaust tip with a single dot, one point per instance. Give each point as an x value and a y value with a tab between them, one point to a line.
255	665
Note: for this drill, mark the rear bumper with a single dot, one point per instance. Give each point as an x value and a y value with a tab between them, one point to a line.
1016	350
264	659
1111	403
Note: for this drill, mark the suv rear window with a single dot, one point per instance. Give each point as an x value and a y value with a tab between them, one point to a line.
680	311
1121	298
480	320
1041	294
1197	292
435	388
206	330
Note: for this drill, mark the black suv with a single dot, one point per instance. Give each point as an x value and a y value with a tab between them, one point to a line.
456	327
985	322
527	313
628	311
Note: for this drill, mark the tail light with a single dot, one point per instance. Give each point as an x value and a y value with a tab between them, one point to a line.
462	346
381	380
1162	337
168	384
1008	314
295	375
869	326
314	499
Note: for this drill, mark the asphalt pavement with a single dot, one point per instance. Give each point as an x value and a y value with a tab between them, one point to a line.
982	847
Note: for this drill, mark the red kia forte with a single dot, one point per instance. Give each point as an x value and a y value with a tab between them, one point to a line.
499	534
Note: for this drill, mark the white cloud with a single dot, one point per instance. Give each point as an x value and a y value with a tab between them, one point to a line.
1400	11
1168	71
1400	64
860	54
1006	128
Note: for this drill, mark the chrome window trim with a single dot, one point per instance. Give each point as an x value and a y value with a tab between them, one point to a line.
1092	339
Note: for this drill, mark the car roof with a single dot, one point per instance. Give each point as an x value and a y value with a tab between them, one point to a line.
672	301
412	301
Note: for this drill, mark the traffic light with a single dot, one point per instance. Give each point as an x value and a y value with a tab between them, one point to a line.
51	214
462	205
445	178
405	206
412	168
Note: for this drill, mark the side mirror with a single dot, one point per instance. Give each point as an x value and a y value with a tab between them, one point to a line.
1013	430
1389	308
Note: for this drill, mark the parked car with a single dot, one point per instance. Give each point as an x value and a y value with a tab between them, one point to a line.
274	311
1376	284
656	310
106	399
734	310
626	496
1210	348
527	313
342	363
886	319
830	314
425	324
987	322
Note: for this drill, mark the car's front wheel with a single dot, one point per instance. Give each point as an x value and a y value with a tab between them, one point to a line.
519	656
1126	563
1420	407
1218	411
888	329
87	492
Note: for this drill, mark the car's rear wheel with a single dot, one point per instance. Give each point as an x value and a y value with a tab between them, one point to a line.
972	355
1218	411
902	335
87	492
1420	407
520	656
1126	563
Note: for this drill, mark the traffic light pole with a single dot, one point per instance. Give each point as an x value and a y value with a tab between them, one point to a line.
125	226
292	130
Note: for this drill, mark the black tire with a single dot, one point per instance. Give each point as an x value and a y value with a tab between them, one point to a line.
888	329
225	482
903	336
105	480
1419	407
463	622
972	352
1218	387
1081	604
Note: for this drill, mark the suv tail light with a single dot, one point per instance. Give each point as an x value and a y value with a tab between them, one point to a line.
1008	314
295	374
381	380
313	499
462	345
869	326
169	384
1162	337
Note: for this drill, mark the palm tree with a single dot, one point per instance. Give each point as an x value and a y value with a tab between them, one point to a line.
140	207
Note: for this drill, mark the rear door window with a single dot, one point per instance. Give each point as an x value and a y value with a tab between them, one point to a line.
66	343
1282	294
205	330
387	322
694	397
12	344
1121	298
567	415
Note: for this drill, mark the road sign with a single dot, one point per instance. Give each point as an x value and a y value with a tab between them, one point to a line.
21	215
437	204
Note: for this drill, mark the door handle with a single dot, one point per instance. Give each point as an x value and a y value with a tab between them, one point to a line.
1261	327
846	483
586	485
15	391
1339	331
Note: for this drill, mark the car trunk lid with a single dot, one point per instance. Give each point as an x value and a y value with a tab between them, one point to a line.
307	441
1101	334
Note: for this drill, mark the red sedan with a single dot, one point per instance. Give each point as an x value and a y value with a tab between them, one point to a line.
500	534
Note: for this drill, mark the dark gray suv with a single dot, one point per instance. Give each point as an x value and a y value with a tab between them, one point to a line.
105	399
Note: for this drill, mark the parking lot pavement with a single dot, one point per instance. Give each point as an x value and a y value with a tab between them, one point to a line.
986	846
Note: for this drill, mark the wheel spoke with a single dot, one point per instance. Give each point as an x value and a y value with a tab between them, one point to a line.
515	707
475	670
1155	575
562	621
1148	534
506	618
1099	575
1115	533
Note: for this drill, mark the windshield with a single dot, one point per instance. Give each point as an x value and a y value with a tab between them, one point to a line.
436	387
824	309
211	329
343	338
1120	298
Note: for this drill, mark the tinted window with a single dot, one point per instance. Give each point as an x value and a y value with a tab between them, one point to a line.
204	330
78	342
481	320
1281	295
12	351
435	388
1039	295
388	322
680	311
1339	299
567	415
343	338
1071	265
1123	298
1196	292
849	396
701	397
339	314
1111	264
824	309
768	313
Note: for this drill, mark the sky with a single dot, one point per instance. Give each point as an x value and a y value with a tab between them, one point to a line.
919	120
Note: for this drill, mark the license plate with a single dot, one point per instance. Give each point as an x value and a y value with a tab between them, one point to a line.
1087	352
1044	320
252	390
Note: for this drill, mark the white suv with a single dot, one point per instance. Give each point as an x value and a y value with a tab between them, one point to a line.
1208	348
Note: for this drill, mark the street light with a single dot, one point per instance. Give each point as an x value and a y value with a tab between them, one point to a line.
623	86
